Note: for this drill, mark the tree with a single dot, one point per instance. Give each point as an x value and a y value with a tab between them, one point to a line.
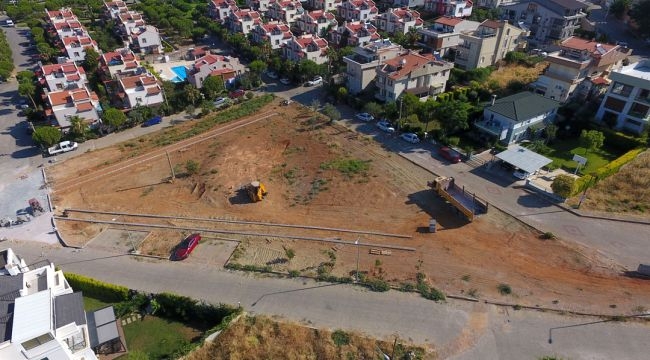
46	135
550	132
563	185
332	112
341	93
373	109
212	87
639	13
307	69
591	140
453	116
315	105
619	8
257	66
27	88
192	94
113	117
91	60
77	126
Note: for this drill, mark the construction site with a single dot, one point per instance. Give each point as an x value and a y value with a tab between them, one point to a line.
324	200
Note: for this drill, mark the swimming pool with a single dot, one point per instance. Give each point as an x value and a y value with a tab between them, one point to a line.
181	74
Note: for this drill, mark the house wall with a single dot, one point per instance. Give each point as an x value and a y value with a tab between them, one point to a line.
136	97
630	107
149	41
517	131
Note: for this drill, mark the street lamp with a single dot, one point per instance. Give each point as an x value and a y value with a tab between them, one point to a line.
356	274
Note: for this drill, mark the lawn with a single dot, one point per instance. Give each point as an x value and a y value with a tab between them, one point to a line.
158	338
562	152
91	304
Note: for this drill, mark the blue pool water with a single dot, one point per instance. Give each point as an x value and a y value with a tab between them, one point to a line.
180	72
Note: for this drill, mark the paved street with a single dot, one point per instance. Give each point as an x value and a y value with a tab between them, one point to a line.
617	30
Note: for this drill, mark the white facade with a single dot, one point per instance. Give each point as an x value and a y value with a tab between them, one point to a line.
65	104
444	35
146	39
488	44
118	63
225	67
453	8
399	21
358	10
62	76
141	90
327	5
316	22
259	5
549	21
220	9
75	47
287	11
112	9
361	65
306	47
356	33
242	21
276	34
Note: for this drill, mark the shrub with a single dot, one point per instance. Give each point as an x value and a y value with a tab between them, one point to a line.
504	289
186	309
563	185
407	287
97	289
377	285
192	167
548	236
601	173
434	294
294	273
290	253
340	338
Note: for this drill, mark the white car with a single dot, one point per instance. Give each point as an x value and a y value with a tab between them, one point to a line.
410	137
285	81
271	75
385	126
9	22
520	174
62	147
315	81
364	117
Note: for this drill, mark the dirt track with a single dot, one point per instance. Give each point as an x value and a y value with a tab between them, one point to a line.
288	152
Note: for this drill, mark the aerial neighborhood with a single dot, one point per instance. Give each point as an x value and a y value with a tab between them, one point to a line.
484	161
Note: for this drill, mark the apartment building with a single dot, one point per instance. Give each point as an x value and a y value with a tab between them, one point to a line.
408	3
306	47
626	105
242	21
81	102
220	9
453	8
493	4
62	76
140	90
118	63
549	21
259	5
287	11
444	35
488	44
422	75
275	33
356	33
325	5
43	318
399	21
316	22
578	68
361	65
225	67
75	47
358	10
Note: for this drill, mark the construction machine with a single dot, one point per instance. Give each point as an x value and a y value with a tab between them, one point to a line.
256	191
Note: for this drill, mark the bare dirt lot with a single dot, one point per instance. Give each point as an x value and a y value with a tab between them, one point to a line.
323	175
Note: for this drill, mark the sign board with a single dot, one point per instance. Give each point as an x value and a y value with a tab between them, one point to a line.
580	160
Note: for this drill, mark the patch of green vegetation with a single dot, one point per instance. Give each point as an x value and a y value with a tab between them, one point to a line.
561	152
159	338
92	304
340	338
348	167
504	289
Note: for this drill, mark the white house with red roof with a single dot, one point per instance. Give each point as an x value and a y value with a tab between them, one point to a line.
75	47
408	3
140	90
112	9
61	15
119	63
62	76
316	22
287	11
220	9
259	5
356	33
69	28
454	8
444	34
275	33
399	21
242	21
306	47
225	67
129	20
146	39
64	104
326	5
418	74
358	10
579	67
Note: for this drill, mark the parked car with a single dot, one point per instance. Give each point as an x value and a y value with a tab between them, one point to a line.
521	174
9	22
385	126
317	80
221	102
285	81
62	147
185	248
153	121
410	137
237	94
449	154
271	74
364	117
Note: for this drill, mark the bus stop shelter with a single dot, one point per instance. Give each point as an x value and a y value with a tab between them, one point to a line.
524	159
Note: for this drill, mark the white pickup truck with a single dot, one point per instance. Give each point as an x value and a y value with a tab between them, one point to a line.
63	146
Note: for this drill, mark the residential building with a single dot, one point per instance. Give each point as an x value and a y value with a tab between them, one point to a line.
69	28
140	90
361	65
145	39
488	44
113	9
287	11
61	15
444	34
75	47
275	33
493	4
355	33
259	5
399	21
547	20
81	102
242	21
578	68
325	5
422	75
626	105
220	9
118	63
42	318
62	76
408	3
306	47
316	22
358	10
225	67
515	117
453	8
128	21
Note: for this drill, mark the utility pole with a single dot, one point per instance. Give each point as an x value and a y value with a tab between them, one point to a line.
356	274
399	121
170	166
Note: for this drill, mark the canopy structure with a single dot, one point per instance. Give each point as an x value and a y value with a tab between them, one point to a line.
524	159
102	328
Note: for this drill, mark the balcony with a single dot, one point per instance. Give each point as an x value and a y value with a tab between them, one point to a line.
491	127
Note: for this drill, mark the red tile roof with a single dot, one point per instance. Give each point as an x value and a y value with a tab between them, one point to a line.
404	64
65	96
85	106
132	82
449	21
577	43
66	68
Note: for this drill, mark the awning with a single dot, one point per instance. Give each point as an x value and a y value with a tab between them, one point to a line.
102	326
524	159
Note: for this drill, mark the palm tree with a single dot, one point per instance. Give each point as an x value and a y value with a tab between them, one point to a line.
77	126
27	88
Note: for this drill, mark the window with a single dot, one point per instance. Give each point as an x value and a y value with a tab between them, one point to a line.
614	104
144	40
621	89
138	100
76	54
644	94
37	341
639	110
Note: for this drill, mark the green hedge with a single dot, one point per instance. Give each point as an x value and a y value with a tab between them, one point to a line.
97	289
619	140
603	172
185	309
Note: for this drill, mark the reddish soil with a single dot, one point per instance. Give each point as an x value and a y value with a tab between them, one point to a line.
286	153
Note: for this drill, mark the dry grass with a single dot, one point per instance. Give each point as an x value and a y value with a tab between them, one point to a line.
504	75
263	338
625	192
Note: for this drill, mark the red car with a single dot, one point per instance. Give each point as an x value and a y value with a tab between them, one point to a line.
185	248
449	154
237	93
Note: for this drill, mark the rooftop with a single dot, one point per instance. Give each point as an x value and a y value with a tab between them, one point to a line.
639	70
404	64
524	159
523	106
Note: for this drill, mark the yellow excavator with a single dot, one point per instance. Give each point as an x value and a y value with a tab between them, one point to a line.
256	191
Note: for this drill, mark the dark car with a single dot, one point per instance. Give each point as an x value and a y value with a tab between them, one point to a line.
236	94
185	248
449	154
153	121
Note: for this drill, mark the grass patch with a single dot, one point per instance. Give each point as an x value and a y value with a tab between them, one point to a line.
92	304
562	155
159	338
348	167
504	289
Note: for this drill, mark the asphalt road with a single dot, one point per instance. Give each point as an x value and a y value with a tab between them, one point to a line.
617	30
